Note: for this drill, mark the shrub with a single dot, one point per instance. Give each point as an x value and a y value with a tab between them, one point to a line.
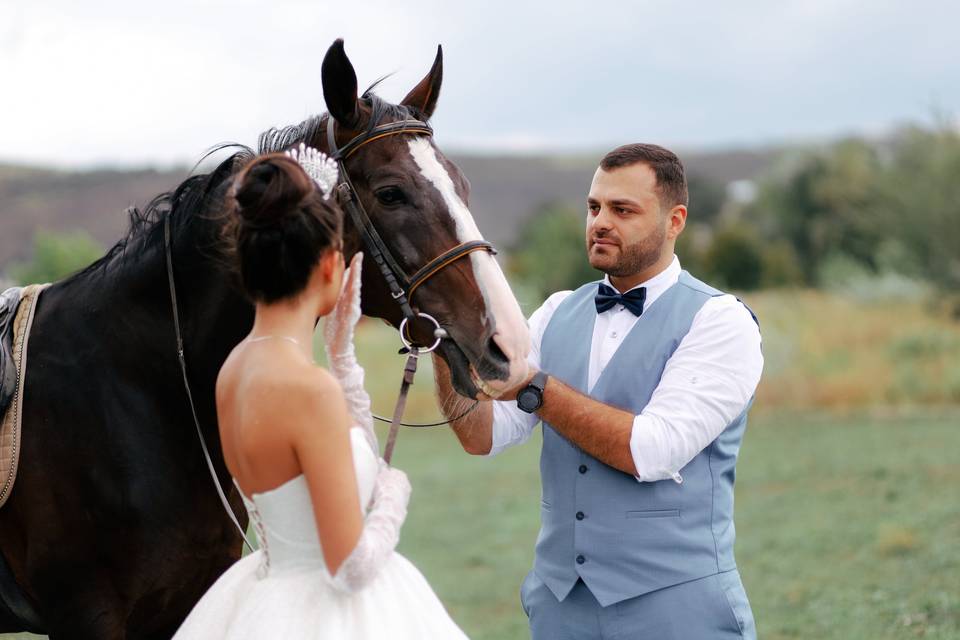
56	255
734	258
551	254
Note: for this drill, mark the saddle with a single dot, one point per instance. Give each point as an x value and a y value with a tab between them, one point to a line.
13	603
15	319
9	303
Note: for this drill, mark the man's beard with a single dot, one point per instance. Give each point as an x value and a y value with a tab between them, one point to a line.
638	256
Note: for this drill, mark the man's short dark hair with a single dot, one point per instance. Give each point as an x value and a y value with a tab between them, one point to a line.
671	180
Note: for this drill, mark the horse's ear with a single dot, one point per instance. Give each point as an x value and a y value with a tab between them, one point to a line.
340	85
424	95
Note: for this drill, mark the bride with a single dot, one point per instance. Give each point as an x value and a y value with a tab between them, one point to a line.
299	439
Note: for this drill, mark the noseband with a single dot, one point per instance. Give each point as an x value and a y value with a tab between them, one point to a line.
401	285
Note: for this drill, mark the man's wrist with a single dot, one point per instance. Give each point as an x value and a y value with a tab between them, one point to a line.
530	398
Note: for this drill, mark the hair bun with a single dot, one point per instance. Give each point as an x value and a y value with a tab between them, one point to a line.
270	189
279	226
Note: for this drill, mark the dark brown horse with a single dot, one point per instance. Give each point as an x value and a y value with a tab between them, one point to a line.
114	528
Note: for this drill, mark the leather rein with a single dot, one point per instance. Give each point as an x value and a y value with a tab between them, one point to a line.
402	287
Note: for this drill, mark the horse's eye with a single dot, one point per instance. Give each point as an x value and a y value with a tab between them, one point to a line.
390	196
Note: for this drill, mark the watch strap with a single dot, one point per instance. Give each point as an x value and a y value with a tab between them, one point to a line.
540	380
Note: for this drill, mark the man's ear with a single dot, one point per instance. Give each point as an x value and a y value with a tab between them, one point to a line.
677	221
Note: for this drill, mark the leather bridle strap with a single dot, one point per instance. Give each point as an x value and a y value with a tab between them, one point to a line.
393	273
400	284
186	384
380	131
445	260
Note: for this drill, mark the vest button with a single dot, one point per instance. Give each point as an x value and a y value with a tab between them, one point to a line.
583	468
580	515
581	559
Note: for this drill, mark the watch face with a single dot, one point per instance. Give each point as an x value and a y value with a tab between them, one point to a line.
528	400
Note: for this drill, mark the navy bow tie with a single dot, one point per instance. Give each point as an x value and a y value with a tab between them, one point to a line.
608	297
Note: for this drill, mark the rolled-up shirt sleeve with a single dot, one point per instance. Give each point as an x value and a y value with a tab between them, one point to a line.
707	383
511	426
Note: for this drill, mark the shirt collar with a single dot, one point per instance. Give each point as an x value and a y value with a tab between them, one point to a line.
658	284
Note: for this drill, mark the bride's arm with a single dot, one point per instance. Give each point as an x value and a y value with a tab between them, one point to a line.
381	532
322	446
354	548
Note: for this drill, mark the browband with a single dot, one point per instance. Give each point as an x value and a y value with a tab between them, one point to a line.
380	131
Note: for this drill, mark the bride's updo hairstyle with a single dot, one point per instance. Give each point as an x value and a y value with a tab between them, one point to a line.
279	227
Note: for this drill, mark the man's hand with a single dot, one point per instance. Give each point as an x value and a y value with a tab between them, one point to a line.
511	394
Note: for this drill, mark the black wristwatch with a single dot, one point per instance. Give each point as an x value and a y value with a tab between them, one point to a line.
530	397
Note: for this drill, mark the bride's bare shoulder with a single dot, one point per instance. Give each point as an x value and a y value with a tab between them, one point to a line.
276	392
306	398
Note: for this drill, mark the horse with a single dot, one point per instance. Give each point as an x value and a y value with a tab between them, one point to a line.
114	528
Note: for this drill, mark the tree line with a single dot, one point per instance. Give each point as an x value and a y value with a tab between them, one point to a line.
855	209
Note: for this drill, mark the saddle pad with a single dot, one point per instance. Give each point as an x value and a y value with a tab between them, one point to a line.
9	302
10	427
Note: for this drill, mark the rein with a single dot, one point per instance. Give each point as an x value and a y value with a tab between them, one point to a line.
186	384
402	287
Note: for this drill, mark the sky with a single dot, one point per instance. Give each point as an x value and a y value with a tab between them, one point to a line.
131	83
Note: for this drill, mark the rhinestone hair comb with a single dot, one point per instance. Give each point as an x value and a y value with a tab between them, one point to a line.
319	166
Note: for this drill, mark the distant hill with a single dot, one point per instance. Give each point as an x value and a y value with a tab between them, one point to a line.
505	191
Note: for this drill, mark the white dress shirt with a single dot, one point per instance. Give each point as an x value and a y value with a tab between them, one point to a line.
706	383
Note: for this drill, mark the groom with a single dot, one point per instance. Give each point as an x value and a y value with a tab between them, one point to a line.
643	382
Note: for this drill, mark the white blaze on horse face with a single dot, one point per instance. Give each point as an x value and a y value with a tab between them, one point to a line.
512	335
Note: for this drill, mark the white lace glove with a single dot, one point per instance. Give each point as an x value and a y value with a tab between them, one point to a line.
338	328
381	531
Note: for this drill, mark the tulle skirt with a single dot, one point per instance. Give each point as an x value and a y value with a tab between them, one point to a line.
298	602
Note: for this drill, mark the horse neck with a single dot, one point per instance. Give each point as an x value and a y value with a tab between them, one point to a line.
125	303
214	316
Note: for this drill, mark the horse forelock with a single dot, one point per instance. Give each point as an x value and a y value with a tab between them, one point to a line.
312	131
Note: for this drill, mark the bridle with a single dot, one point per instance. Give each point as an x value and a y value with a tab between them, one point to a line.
402	286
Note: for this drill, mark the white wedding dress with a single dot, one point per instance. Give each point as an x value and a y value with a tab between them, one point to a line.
284	590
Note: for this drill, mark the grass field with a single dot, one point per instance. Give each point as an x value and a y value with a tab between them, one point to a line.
848	515
847	529
848	521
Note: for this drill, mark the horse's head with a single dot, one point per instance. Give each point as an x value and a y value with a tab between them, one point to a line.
416	200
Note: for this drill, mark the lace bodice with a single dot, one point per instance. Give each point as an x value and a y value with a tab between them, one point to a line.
284	521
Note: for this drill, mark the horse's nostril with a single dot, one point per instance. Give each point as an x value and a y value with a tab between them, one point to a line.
495	354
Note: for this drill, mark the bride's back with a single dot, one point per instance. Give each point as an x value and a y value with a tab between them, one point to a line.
258	411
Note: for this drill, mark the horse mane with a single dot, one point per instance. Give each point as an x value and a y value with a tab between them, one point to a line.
313	128
183	204
189	197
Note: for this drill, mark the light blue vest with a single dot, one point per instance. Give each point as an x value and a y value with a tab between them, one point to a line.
622	537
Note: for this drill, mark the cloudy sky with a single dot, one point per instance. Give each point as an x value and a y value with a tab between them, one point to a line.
129	82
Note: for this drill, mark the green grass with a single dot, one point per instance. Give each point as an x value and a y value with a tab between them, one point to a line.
847	529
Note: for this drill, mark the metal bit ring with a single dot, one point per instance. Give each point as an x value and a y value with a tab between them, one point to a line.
439	333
